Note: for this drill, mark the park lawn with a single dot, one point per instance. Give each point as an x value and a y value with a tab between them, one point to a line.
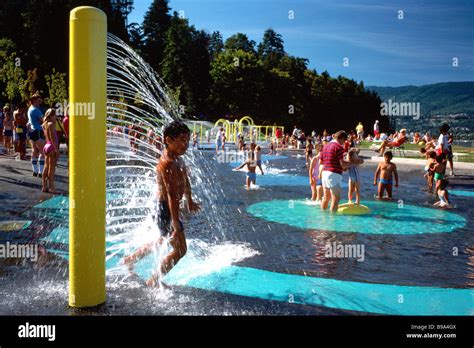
467	152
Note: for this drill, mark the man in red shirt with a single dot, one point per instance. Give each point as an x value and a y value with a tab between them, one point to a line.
332	158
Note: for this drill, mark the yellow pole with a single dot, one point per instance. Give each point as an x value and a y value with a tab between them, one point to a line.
87	86
200	137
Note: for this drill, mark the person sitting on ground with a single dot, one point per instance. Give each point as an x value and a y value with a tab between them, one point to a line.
384	174
416	138
398	141
443	195
173	185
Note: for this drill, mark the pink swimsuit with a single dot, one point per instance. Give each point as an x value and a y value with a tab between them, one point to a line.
50	146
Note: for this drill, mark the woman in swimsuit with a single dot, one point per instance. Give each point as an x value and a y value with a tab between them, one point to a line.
50	150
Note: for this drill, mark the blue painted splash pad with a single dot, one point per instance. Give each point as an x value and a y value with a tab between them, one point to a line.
197	272
386	218
462	193
281	179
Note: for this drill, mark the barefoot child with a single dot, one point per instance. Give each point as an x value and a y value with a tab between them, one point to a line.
354	177
50	150
386	170
315	176
309	151
7	129
430	162
258	157
173	184
439	170
443	195
251	176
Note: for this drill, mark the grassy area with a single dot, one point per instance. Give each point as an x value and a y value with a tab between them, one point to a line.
466	154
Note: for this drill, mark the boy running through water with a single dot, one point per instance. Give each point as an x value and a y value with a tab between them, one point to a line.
173	184
251	163
386	170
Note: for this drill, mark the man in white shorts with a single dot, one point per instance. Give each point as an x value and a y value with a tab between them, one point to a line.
332	158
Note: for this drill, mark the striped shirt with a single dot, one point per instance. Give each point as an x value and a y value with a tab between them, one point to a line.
331	154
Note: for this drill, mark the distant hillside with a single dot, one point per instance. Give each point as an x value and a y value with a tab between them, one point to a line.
437	99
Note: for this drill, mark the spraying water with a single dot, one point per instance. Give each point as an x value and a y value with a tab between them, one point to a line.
137	107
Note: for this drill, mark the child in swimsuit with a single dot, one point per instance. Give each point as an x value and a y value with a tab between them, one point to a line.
309	151
354	177
386	170
439	169
258	156
430	162
195	140
7	129
315	176
251	175
443	195
20	121
50	150
173	185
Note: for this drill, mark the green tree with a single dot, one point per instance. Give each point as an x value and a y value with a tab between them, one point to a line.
155	26
57	88
271	49
12	75
236	83
216	45
30	85
239	41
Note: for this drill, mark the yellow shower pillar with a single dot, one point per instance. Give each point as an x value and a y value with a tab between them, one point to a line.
88	91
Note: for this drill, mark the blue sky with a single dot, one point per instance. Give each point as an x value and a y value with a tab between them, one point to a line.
382	49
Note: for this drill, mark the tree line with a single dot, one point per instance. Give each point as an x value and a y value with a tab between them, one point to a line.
210	77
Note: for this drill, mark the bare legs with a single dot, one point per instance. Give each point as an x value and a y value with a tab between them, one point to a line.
335	195
354	187
178	243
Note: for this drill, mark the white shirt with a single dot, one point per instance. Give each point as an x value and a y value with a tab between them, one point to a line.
443	141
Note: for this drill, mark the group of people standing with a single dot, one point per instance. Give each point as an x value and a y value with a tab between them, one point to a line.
29	122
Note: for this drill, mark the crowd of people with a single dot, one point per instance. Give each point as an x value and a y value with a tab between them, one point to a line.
45	131
329	155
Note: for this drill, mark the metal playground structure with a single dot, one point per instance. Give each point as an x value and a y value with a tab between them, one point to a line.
245	127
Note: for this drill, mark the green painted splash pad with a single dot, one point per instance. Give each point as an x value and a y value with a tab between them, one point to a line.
386	218
262	284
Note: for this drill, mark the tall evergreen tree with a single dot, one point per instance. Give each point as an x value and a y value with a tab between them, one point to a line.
216	44
155	26
239	41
